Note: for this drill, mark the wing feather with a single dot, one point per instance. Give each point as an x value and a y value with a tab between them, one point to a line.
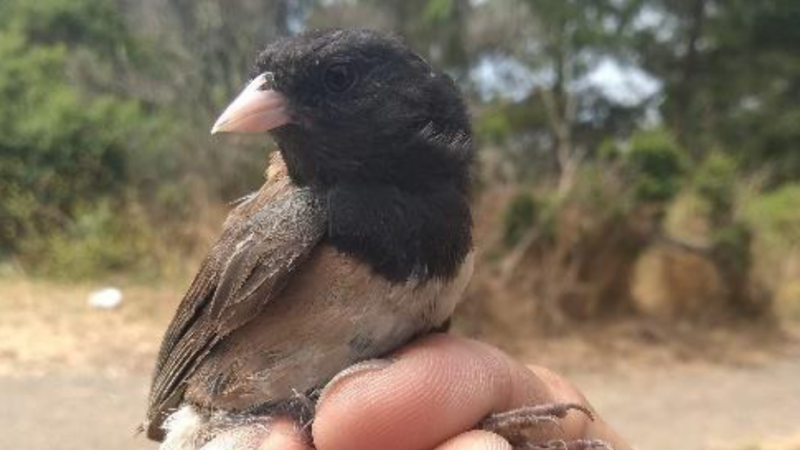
246	269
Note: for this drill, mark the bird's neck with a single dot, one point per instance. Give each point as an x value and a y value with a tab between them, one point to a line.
406	214
402	235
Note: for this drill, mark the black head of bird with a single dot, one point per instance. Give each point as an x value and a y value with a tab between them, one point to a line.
356	106
360	116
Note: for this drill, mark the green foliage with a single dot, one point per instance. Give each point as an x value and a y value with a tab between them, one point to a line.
519	217
656	164
730	246
595	198
776	216
98	240
61	146
438	11
95	24
731	78
715	181
494	126
609	151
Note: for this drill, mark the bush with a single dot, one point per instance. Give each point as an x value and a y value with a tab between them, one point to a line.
98	241
57	145
64	146
519	217
731	245
656	165
776	216
714	182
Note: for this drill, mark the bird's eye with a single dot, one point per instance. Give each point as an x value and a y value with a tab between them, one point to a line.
340	77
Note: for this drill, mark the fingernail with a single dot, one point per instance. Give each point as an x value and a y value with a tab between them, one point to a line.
370	365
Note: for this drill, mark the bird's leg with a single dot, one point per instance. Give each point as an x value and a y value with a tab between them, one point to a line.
514	426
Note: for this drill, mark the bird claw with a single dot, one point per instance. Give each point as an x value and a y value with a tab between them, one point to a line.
578	444
527	416
514	424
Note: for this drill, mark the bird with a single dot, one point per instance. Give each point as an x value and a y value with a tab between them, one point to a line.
359	241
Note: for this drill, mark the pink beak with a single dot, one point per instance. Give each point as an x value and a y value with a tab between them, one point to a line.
257	109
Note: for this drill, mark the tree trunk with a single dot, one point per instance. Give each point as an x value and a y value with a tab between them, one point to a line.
689	69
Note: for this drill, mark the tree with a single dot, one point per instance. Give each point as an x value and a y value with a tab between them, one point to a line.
437	29
60	143
558	44
201	55
730	71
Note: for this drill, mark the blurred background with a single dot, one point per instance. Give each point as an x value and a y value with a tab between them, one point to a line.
637	198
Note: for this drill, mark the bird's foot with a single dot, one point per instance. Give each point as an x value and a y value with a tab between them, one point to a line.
516	425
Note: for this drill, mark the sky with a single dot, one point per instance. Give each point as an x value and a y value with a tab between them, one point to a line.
506	78
625	84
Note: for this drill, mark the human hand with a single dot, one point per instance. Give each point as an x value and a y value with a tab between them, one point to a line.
430	395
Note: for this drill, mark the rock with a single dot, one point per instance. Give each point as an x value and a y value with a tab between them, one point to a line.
106	298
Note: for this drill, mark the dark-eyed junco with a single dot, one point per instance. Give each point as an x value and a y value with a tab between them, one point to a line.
359	241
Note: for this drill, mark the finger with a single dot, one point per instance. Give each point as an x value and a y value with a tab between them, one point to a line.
476	440
435	389
279	435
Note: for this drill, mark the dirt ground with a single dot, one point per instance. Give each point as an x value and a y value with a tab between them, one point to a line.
74	378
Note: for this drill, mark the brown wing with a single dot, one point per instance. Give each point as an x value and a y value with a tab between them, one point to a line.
249	265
